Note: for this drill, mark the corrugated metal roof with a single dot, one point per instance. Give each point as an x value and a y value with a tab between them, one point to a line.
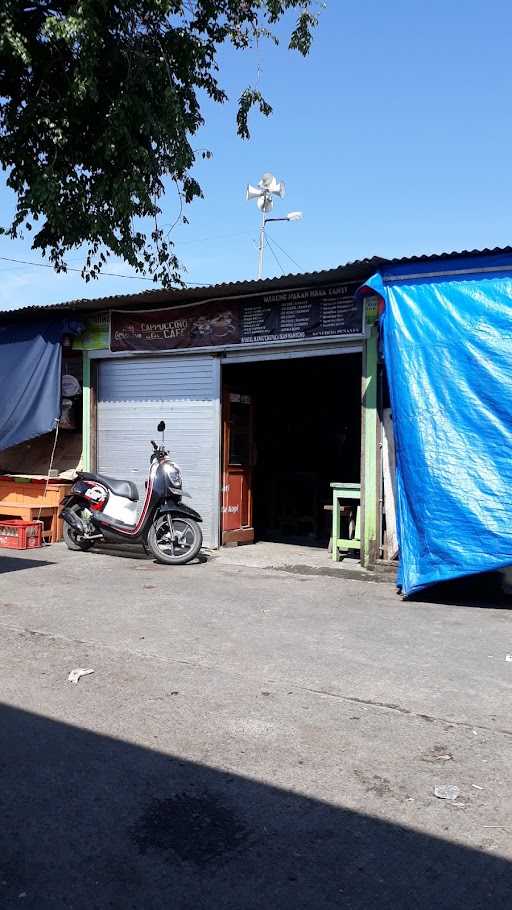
352	271
358	270
455	254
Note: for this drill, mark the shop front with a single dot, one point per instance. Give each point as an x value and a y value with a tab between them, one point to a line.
279	404
267	389
262	398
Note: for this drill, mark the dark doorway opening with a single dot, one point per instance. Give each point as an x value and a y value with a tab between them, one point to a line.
306	434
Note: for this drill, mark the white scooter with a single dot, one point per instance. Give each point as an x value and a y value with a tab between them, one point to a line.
101	508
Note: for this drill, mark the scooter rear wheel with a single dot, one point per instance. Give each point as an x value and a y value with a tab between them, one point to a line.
71	538
175	540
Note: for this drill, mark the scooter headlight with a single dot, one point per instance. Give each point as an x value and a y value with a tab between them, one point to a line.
174	475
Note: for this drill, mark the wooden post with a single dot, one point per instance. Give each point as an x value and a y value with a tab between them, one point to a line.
370	498
86	412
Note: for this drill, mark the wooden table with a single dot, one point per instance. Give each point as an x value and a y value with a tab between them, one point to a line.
345	495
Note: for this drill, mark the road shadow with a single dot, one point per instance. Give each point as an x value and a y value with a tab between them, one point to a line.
483	591
17	563
124	551
137	552
89	822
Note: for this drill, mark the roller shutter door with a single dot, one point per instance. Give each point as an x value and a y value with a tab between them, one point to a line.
134	394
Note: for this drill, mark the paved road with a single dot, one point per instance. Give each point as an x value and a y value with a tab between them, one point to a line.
249	739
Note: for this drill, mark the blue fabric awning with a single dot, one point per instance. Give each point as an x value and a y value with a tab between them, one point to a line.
447	340
30	377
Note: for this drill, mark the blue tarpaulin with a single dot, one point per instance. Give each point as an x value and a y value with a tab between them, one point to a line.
447	340
30	377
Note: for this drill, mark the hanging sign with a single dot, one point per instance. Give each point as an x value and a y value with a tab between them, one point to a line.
302	314
95	334
265	318
197	326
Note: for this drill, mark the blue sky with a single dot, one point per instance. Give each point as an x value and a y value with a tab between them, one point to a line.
393	137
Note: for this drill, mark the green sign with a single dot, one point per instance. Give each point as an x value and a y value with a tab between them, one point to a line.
96	334
371	309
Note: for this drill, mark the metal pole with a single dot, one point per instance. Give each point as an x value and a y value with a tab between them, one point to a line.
86	461
261	246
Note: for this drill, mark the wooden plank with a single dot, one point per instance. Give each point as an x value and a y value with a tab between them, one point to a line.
241	536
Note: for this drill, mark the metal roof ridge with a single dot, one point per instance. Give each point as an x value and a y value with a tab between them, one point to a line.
198	291
195	290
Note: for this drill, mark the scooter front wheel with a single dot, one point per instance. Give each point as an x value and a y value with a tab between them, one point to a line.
174	540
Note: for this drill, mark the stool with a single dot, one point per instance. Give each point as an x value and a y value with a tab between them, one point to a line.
344	497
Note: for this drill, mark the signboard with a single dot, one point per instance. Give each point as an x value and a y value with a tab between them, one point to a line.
198	326
288	315
299	314
95	335
372	309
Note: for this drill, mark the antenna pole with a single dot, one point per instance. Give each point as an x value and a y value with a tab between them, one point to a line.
261	246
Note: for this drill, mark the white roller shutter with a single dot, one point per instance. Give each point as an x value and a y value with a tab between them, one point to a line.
134	394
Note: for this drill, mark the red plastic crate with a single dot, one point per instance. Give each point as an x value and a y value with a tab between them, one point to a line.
20	535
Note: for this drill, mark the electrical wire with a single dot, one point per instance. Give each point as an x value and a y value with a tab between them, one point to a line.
48	476
44	265
267	241
274	241
212	239
205	284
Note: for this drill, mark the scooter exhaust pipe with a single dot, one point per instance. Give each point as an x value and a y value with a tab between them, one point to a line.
74	521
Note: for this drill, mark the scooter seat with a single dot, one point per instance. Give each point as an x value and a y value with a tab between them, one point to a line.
124	488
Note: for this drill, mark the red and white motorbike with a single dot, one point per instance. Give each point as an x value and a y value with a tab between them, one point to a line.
101	508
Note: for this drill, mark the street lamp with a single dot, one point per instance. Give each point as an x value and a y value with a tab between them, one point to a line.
263	192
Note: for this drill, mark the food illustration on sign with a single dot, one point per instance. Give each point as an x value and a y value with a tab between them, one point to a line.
214	328
169	328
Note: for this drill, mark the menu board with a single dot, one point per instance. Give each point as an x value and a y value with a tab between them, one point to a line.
294	315
288	315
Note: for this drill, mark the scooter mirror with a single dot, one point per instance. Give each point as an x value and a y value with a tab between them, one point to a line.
161	426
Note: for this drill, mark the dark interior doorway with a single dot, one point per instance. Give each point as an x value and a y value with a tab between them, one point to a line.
306	434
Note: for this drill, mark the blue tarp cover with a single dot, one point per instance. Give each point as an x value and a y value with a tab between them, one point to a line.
448	352
30	377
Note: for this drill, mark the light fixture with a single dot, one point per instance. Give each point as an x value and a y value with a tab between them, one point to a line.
295	216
